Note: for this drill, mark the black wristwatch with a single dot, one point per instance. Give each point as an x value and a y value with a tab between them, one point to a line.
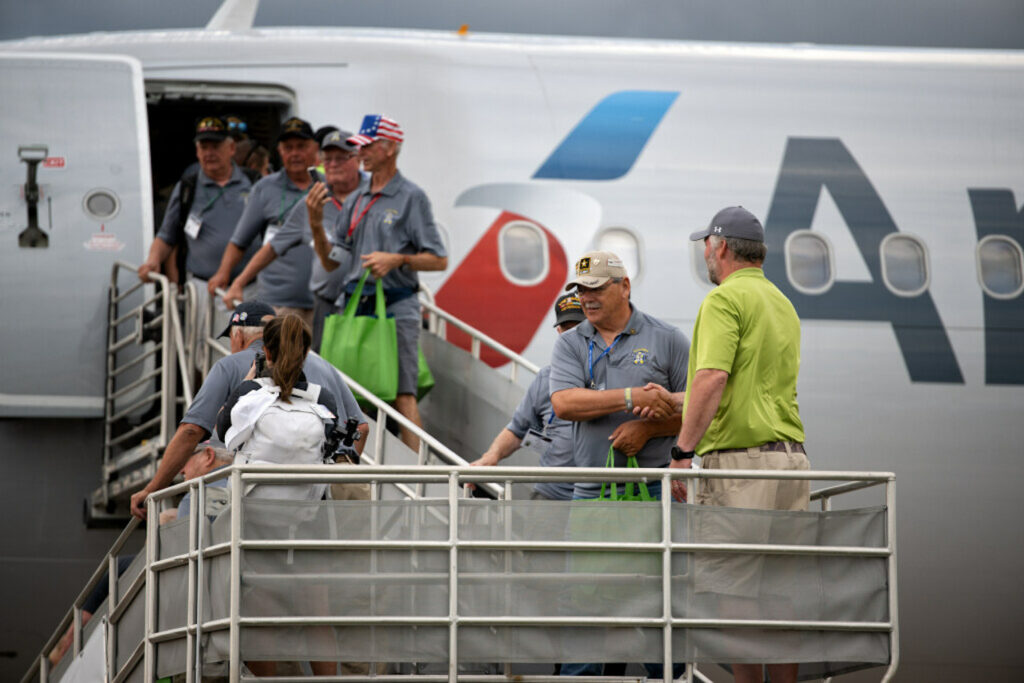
679	454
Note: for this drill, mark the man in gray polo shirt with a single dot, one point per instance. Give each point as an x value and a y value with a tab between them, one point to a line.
217	203
619	361
245	331
284	284
388	224
341	172
548	434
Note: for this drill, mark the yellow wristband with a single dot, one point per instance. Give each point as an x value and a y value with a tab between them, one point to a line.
629	399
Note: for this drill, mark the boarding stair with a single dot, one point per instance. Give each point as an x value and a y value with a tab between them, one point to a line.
490	590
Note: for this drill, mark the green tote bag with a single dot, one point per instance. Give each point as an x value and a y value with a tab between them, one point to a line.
364	347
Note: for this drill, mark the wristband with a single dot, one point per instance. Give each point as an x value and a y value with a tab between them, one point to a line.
629	399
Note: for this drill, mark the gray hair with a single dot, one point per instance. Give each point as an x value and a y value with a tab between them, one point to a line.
219	453
248	332
750	251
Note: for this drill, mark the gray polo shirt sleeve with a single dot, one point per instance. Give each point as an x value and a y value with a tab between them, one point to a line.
293	232
567	363
168	228
211	396
423	232
528	412
252	220
326	375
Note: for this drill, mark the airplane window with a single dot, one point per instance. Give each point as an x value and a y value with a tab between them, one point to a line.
697	265
1000	266
100	204
523	253
809	262
626	245
904	264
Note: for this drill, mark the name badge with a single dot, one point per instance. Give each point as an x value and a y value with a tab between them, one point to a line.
270	232
192	225
536	441
337	254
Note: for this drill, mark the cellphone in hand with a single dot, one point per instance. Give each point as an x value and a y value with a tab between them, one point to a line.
317	177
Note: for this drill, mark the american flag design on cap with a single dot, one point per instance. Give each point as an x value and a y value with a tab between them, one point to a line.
375	127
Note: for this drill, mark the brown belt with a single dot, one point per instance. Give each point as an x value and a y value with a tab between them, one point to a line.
779	446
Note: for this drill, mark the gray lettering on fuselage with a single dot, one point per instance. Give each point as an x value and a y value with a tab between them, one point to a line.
995	213
807	165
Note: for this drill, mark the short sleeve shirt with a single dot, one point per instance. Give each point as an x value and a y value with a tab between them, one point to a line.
534	412
217	209
749	329
648	350
285	282
399	220
296	234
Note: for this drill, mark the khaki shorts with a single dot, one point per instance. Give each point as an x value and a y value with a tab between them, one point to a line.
740	574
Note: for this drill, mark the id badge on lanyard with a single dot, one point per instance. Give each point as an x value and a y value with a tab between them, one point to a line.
536	441
270	232
193	225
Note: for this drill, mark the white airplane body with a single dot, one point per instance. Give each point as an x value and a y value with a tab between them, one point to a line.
534	150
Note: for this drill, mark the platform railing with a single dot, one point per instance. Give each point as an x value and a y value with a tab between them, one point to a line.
242	477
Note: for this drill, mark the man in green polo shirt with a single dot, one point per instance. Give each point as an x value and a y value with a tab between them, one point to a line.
740	410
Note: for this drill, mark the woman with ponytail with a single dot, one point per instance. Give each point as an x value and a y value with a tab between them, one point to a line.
276	416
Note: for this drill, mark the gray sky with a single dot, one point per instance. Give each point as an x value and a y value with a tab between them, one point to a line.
930	23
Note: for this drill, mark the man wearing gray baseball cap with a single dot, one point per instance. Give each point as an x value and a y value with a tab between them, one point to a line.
740	410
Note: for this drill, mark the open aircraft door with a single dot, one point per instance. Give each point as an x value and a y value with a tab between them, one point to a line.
75	195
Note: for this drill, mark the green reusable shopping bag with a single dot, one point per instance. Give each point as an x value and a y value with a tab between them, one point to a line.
364	347
425	378
614	579
642	493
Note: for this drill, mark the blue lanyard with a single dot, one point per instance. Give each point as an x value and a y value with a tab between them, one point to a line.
590	358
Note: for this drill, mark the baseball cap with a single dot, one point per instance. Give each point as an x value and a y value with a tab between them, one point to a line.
568	310
596	268
211	128
248	314
376	127
342	139
322	132
295	128
732	221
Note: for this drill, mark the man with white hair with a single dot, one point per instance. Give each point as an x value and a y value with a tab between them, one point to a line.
389	225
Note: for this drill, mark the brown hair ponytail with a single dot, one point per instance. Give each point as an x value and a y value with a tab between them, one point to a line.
287	338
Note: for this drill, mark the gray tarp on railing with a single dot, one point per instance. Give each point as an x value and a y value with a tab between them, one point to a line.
559	583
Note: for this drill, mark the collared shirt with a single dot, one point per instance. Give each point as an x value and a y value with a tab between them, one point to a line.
748	328
230	371
296	234
647	350
285	282
399	221
534	412
218	210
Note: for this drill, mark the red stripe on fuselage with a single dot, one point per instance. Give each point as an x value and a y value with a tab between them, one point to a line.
480	294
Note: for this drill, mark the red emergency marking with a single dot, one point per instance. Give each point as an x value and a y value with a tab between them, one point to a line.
54	162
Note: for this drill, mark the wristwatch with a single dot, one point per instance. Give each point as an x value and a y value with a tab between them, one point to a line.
679	454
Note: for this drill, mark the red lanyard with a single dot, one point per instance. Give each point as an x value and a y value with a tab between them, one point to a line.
337	204
355	218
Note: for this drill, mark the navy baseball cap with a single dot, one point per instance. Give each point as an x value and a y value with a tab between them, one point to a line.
568	310
211	128
733	221
248	314
296	128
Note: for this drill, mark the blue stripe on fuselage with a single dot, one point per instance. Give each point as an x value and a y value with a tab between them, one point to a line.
607	142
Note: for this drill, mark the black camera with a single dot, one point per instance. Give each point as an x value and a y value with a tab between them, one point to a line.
339	443
261	362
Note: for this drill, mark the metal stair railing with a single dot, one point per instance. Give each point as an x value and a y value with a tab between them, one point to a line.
129	457
144	653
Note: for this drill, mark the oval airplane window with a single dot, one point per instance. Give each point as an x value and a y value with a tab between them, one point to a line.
904	264
1000	266
697	265
809	262
626	245
101	204
523	253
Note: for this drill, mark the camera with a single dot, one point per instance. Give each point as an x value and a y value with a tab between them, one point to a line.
261	362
